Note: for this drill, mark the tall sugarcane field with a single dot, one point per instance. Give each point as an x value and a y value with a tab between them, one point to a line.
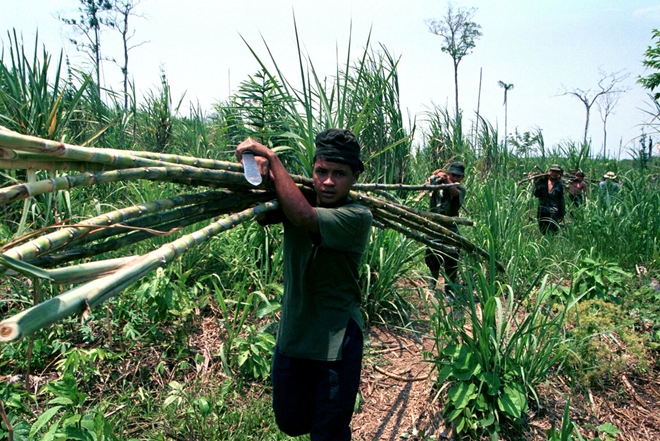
140	297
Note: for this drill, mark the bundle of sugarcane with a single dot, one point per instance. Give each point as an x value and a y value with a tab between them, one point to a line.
230	202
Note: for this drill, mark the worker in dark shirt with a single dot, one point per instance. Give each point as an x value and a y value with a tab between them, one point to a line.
549	190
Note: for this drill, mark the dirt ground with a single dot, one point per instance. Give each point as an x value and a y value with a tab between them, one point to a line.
400	402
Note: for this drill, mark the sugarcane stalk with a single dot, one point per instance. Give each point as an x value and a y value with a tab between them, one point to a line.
192	161
402	187
465	244
398	211
87	271
436	217
20	191
427	229
69	235
385	195
58	239
133	237
444	249
404	209
440	218
163	219
529	178
86	296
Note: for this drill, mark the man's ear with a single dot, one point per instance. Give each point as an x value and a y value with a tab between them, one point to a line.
356	175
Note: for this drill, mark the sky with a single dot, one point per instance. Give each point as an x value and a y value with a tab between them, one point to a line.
545	48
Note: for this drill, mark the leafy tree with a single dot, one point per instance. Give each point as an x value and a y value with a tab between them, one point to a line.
652	54
94	14
506	88
606	86
458	33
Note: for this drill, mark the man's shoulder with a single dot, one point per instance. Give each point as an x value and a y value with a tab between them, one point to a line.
351	208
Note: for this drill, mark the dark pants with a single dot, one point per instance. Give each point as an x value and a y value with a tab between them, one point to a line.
576	199
548	225
318	397
434	260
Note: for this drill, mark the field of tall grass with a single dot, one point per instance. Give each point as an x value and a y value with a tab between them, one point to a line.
184	353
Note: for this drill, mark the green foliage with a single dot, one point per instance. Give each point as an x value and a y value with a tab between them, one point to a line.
569	431
388	259
599	279
157	118
254	353
509	350
68	418
603	343
29	102
652	60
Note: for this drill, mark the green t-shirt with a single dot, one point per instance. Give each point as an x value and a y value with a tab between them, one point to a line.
321	288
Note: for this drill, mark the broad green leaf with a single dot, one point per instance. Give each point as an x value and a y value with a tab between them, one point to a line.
609	429
22	431
43	419
461	394
77	434
513	400
493	382
444	373
454	414
61	400
169	400
487	420
481	404
460	425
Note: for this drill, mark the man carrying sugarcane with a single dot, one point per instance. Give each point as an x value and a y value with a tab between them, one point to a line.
318	357
447	202
549	190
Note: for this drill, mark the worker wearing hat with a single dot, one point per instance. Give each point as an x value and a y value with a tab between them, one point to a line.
549	190
608	188
318	355
447	202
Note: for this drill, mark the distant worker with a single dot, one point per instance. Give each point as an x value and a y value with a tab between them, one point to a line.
578	190
447	202
549	190
608	188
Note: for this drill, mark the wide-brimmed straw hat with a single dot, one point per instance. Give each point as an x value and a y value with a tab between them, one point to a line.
609	175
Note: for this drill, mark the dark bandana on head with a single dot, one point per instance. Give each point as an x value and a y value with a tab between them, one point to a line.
338	143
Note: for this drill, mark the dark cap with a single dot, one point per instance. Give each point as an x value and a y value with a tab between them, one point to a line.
555	167
339	144
457	168
579	174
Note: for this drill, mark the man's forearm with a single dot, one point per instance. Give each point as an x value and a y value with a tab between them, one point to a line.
293	202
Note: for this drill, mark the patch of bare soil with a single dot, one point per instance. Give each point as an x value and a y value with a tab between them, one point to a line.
400	402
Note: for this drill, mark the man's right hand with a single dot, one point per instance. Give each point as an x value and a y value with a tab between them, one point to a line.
261	155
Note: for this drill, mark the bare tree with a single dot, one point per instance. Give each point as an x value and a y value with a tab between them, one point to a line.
506	88
606	105
94	14
124	9
606	85
459	33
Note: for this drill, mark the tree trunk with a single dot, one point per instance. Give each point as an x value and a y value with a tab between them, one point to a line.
456	85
